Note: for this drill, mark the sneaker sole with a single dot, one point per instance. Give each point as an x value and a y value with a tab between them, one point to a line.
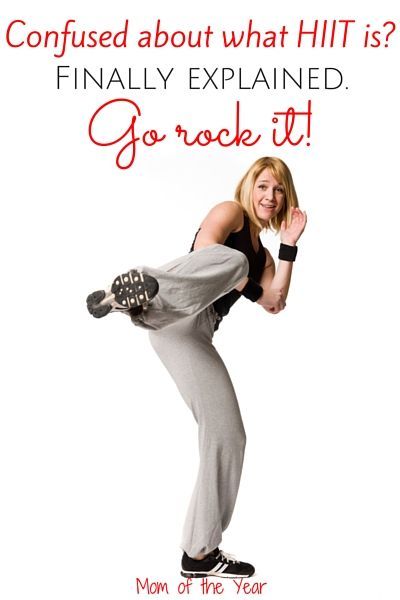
128	290
195	574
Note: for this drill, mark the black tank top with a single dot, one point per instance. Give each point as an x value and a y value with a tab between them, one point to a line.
240	240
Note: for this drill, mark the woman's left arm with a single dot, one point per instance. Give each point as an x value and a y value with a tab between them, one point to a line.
279	279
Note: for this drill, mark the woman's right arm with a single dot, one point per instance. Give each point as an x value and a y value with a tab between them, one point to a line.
219	223
222	220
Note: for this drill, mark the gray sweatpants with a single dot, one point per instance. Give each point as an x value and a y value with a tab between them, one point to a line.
181	319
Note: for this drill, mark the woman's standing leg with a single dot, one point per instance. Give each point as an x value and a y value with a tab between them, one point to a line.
186	350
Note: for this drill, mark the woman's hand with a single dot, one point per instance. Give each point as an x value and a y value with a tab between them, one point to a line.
291	234
272	300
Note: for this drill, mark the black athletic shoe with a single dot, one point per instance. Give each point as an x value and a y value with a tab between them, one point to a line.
129	291
216	564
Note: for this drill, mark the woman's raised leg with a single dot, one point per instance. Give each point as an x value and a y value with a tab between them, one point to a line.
180	288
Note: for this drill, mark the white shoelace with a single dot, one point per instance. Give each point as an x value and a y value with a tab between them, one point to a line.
228	557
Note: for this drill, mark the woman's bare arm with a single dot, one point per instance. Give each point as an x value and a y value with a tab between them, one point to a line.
272	299
222	220
218	224
277	283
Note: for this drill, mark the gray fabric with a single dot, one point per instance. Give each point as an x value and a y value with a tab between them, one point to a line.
191	283
181	319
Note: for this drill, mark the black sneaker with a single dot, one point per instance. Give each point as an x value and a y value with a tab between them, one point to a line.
216	564
129	291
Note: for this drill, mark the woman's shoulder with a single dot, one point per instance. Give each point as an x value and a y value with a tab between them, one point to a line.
231	211
229	205
222	220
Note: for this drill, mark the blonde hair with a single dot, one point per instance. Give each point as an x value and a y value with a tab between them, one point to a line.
245	187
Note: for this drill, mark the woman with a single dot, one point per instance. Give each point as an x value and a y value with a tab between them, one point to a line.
182	303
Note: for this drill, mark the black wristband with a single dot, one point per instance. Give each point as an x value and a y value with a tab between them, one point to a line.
252	290
287	252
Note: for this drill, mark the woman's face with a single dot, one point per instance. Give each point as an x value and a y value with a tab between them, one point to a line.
268	196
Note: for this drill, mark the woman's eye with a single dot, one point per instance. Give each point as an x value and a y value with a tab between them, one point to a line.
279	190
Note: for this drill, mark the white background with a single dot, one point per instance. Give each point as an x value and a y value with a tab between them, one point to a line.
99	452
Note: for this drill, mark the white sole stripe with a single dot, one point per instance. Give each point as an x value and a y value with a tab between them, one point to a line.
208	573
